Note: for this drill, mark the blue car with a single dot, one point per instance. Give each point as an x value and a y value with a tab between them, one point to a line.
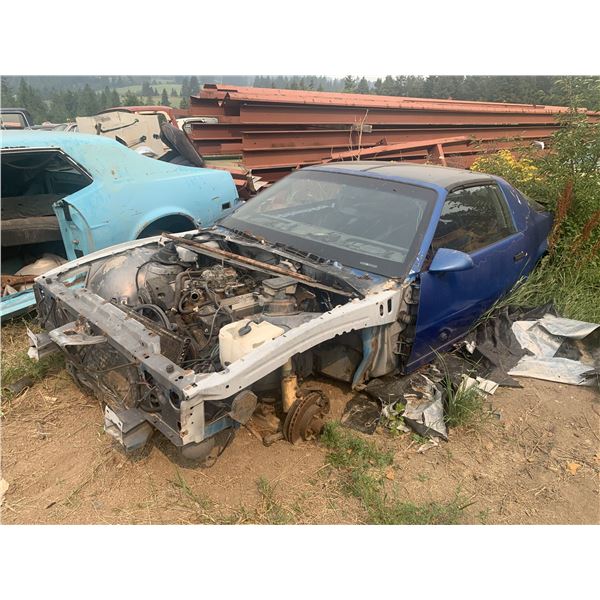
65	195
348	270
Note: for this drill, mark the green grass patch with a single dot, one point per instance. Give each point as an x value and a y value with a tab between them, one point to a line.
272	511
465	407
361	464
572	286
268	511
200	507
348	450
407	513
15	364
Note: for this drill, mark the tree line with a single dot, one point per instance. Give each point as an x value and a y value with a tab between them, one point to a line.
520	89
81	96
62	105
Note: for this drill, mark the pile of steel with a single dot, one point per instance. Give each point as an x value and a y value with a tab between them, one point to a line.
268	132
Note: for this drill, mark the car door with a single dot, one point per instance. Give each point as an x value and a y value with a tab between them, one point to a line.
477	221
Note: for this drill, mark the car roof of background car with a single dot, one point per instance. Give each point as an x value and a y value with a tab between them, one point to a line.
102	156
445	177
39	138
9	109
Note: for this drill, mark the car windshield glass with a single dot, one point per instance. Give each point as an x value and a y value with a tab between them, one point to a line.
363	222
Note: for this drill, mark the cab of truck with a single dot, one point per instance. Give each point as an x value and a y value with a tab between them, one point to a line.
15	118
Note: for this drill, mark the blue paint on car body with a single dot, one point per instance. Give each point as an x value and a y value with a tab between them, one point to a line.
128	192
451	302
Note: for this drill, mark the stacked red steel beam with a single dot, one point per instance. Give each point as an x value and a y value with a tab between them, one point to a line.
273	131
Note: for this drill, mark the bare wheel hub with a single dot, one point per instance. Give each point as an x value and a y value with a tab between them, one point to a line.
305	419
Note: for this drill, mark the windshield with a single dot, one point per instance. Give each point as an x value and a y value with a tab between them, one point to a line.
363	222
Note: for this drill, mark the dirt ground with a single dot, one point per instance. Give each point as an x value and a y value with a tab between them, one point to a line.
538	462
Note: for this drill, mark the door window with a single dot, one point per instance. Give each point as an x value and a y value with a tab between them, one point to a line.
473	218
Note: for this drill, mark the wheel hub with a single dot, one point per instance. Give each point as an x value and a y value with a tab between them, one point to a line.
305	419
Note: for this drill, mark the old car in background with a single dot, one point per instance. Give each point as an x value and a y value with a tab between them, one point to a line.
133	126
67	195
48	126
350	270
15	118
164	113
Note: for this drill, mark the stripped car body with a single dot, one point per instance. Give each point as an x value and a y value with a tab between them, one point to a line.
350	270
72	194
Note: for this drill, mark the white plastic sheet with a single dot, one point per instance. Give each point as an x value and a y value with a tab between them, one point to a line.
562	370
568	328
533	337
543	339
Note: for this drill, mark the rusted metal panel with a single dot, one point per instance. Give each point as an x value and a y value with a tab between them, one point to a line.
303	156
378	150
244	94
211	147
284	139
325	115
274	131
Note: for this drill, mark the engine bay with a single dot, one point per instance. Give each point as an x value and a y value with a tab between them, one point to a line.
188	298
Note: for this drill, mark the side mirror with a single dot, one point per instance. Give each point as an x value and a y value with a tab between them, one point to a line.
449	261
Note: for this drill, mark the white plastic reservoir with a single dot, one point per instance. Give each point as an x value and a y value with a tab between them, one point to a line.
234	345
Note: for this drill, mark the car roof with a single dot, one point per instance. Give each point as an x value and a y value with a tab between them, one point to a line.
41	138
445	177
101	156
149	108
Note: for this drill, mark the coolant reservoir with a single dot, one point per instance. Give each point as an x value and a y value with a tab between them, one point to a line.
234	345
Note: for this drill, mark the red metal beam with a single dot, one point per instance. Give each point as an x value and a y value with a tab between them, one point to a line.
378	150
281	96
253	159
319	115
284	140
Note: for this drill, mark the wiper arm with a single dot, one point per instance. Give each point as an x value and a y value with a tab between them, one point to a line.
301	253
249	236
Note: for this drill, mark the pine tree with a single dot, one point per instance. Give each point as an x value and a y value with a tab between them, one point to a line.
114	99
349	83
164	99
363	86
131	99
185	88
194	86
88	102
6	93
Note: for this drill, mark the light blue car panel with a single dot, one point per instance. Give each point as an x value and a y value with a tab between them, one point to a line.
127	194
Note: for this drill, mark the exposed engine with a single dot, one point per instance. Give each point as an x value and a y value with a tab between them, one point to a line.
189	298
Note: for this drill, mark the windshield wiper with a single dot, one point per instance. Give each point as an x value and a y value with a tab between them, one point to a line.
247	235
300	253
289	249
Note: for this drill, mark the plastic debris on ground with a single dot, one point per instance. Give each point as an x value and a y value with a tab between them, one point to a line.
512	342
424	411
495	343
485	385
415	400
20	385
562	350
362	414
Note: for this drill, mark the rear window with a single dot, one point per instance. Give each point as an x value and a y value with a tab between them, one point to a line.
40	172
12	121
